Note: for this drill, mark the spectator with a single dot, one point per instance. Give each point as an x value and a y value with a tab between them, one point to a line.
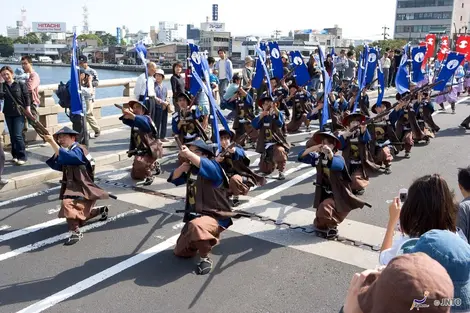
225	69
285	63
391	74
33	81
463	219
454	255
92	77
15	93
386	63
395	64
350	71
409	282
429	205
144	89
314	72
3	181
341	64
328	63
177	83
162	105
21	76
213	79
247	72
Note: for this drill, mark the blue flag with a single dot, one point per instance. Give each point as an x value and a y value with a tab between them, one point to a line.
142	53
75	100
277	66
451	64
325	112
195	58
381	90
262	58
417	55
259	71
372	60
401	80
302	77
365	66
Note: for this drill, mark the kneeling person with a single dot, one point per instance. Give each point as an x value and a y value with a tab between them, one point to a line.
144	144
78	193
207	211
236	165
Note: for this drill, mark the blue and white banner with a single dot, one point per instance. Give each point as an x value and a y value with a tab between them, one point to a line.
259	75
381	79
451	64
401	81
142	53
195	60
325	113
75	100
276	61
302	77
418	55
262	69
372	59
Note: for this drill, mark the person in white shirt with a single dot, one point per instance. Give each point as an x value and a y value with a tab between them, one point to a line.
225	69
144	89
386	63
429	205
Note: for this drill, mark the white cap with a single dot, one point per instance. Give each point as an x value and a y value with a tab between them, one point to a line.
161	72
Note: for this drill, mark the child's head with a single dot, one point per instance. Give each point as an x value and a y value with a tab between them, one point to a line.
464	181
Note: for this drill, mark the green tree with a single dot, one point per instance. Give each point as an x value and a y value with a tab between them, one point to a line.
31	38
90	37
392	44
108	39
6	46
45	38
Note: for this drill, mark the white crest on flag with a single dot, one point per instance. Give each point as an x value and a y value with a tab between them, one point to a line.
419	57
372	57
403	59
463	44
452	64
298	60
196	57
275	53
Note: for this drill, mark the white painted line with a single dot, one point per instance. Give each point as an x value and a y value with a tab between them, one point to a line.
286	173
4	227
31	229
52	211
63	236
99	277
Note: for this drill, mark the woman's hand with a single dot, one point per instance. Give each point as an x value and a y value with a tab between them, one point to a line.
394	210
351	304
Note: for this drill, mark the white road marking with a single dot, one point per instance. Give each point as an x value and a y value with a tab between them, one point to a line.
4	227
52	211
99	277
62	236
31	229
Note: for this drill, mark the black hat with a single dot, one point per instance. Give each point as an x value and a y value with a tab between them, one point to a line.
132	102
236	76
82	59
264	97
356	116
200	144
387	105
184	95
354	87
65	131
319	135
223	132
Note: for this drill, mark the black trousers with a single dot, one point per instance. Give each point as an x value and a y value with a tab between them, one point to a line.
160	119
77	125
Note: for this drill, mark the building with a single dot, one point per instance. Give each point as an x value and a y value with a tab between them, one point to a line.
15	32
212	41
328	37
52	50
193	33
140	36
169	31
416	18
153	33
213	26
304	47
170	52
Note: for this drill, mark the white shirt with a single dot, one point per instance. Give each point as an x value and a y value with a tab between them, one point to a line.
386	63
222	69
139	89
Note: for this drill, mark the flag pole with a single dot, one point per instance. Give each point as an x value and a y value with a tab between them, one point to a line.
86	137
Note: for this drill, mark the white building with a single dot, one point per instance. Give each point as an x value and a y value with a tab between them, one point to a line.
140	36
15	32
51	50
169	31
213	27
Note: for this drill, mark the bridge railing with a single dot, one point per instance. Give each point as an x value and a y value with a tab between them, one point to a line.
49	109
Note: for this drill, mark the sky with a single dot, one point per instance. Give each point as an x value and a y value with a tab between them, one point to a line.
359	19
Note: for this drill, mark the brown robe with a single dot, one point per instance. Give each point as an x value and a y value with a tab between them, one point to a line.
189	129
339	183
300	108
244	111
150	149
425	120
366	158
408	120
388	134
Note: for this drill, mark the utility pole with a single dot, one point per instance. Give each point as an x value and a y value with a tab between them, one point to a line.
385	34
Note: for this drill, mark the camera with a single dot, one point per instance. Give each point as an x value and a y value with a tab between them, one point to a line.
403	194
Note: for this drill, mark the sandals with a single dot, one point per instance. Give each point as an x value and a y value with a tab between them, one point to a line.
104	211
204	266
75	237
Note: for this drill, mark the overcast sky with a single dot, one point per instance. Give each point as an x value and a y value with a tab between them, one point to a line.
359	19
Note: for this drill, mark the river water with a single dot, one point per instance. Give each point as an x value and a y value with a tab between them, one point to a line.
56	74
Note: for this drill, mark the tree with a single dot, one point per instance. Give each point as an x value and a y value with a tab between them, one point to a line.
6	46
31	38
90	37
45	38
392	44
108	39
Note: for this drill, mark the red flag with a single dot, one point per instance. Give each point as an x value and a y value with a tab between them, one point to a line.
422	44
463	45
444	48
430	45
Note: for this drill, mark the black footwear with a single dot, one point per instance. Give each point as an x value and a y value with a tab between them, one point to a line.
465	126
281	176
104	213
388	170
158	169
75	237
329	234
407	155
204	266
235	201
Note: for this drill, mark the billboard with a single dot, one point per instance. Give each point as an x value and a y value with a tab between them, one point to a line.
213	26
49	27
310	31
215	12
118	35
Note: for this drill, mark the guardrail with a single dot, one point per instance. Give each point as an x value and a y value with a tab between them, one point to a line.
48	108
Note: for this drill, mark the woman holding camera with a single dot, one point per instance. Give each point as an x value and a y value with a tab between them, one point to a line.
429	204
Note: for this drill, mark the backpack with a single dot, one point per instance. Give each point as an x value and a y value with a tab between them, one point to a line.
63	94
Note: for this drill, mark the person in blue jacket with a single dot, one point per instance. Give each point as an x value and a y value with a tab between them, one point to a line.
207	209
78	193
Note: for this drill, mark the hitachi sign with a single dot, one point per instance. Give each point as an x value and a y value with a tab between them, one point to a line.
48	27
